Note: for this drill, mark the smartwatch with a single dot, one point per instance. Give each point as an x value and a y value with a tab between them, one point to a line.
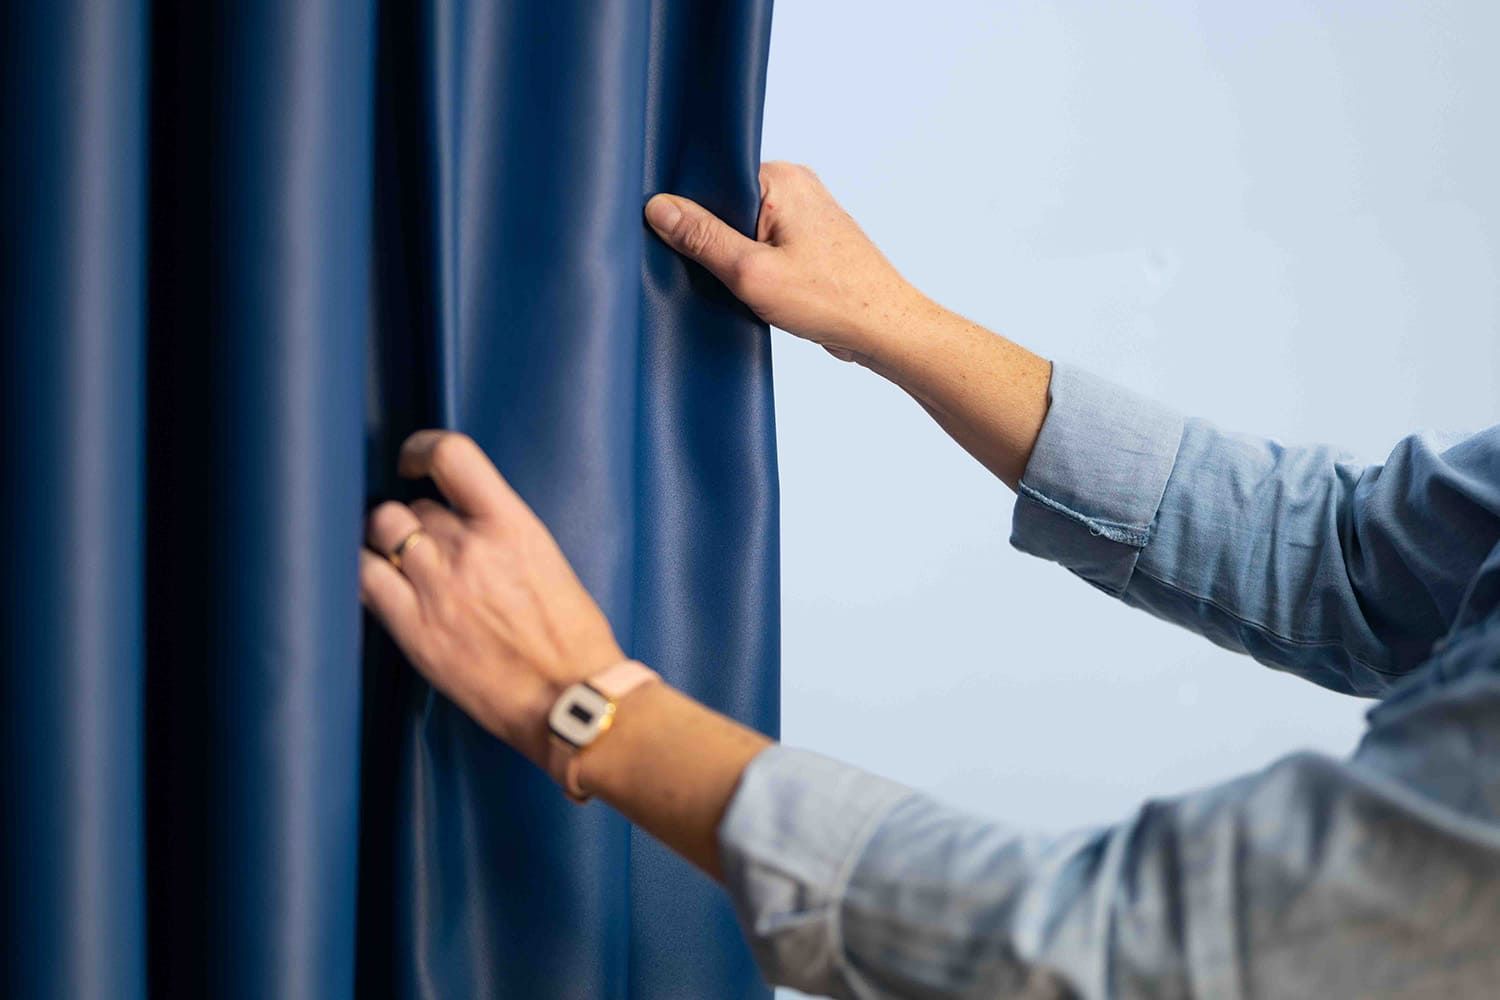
583	713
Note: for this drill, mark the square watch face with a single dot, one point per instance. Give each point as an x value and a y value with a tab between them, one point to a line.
577	714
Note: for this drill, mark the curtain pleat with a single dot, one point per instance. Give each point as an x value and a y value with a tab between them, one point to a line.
248	248
259	307
73	265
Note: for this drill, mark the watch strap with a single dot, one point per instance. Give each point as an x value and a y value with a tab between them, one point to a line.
619	680
614	683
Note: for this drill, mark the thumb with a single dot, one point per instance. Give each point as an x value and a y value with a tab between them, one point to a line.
695	232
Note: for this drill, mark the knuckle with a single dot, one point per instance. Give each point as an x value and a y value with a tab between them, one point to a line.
791	172
467	555
451	448
388	514
476	563
808	180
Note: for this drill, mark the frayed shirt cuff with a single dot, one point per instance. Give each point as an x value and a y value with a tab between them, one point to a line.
1089	496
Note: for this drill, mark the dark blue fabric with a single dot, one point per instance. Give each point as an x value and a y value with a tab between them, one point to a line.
247	248
72	298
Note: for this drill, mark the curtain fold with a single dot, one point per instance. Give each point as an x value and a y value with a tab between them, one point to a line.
73	264
247	249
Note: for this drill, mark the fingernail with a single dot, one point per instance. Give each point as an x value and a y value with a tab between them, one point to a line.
662	213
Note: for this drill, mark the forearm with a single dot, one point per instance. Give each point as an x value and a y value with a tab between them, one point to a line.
671	765
813	272
988	393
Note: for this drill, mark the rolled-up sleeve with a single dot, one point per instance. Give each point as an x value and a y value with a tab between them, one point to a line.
1341	572
1090	494
1378	875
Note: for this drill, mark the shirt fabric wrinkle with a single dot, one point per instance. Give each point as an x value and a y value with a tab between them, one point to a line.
1373	875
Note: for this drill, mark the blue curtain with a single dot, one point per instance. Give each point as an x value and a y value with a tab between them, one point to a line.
247	248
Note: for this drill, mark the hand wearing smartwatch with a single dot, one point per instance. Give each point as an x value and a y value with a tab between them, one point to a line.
483	602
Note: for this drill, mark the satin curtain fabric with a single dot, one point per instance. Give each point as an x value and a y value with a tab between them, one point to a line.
246	249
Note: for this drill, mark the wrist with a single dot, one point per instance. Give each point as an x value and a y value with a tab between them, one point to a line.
671	765
891	336
584	715
517	713
600	766
518	716
588	660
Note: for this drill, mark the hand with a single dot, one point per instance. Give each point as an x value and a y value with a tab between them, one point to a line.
485	604
810	270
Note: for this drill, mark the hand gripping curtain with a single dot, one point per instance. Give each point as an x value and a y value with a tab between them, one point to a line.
247	248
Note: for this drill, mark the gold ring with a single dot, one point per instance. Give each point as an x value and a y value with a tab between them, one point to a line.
395	557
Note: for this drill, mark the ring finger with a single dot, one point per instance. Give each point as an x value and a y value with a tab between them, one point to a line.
398	534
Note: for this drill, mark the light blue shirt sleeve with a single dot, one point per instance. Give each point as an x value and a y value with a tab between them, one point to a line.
1377	875
1342	573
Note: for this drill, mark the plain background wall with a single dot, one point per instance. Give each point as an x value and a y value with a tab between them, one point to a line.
1282	216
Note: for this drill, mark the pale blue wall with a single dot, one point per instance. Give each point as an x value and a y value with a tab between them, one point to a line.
1279	215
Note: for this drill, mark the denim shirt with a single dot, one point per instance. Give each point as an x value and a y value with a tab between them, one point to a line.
1372	875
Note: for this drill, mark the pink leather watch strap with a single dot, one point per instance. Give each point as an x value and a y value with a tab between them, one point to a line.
614	683
619	680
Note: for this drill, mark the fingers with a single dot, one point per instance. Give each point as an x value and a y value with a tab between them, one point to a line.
393	523
391	597
460	469
697	233
442	524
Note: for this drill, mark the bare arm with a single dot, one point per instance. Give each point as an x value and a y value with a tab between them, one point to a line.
813	272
